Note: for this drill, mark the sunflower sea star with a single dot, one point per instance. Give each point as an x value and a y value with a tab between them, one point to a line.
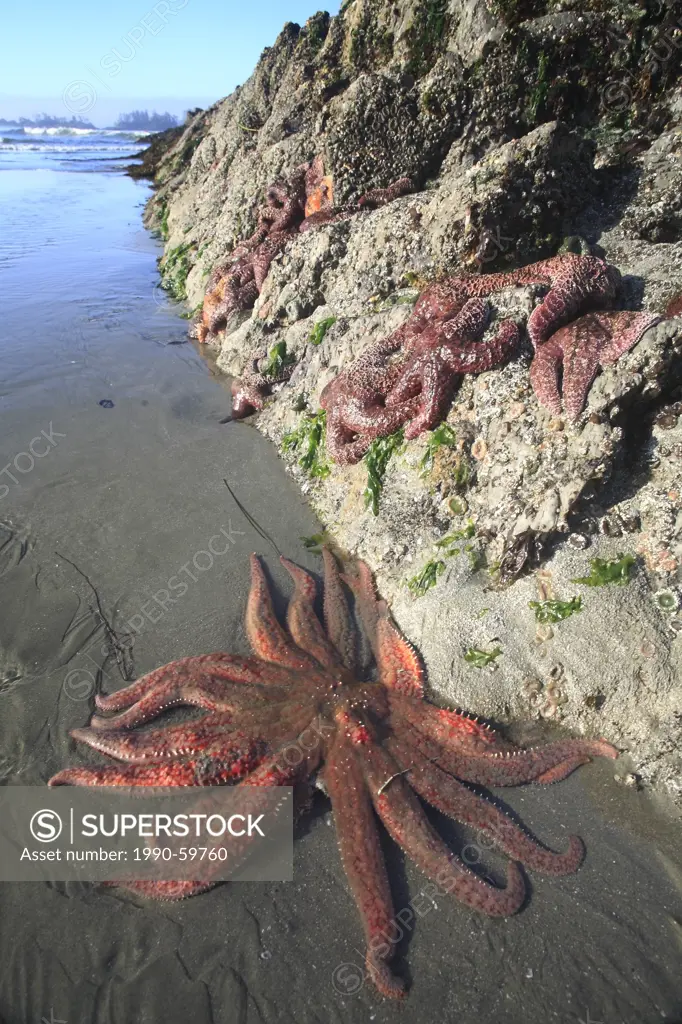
382	747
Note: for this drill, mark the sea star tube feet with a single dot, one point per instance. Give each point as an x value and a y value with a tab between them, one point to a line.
380	748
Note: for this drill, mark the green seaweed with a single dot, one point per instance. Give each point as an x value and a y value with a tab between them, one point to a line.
451	544
442	437
376	461
382	305
176	265
556	611
461	474
481	659
453	538
448	547
427	578
315	542
318	332
164	221
427	35
603	571
308	440
541	88
278	360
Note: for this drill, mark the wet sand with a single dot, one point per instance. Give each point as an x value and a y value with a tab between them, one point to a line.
132	493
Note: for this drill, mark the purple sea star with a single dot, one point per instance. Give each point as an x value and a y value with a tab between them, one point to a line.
441	340
302	202
596	339
374	398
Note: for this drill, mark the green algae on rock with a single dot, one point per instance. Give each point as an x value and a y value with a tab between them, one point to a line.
556	611
604	571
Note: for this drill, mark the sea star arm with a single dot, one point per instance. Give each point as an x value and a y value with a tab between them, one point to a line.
406	822
268	639
476	357
624	330
399	666
168	890
362	860
582	343
544	373
337	618
437	388
449	796
514	768
156	744
444	728
304	625
207	735
382	196
210	685
561	771
176	773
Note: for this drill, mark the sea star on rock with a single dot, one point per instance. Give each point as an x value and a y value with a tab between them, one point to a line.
303	201
580	348
378	747
237	283
374	398
250	391
441	341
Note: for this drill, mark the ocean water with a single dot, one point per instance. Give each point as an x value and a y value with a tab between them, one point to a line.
66	149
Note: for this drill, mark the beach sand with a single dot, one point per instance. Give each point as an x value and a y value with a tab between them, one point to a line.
130	493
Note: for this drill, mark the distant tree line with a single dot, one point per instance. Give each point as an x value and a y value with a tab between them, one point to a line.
136	121
143	121
48	121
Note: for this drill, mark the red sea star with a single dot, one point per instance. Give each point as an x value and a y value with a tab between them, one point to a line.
596	339
382	746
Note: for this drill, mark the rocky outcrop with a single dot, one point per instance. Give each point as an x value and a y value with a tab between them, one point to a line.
526	127
149	158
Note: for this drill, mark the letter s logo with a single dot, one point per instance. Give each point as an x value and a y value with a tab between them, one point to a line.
46	826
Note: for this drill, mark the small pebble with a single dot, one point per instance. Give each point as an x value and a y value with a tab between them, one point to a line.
479	449
578	541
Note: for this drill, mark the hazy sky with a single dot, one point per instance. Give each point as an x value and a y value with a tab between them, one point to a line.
97	60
